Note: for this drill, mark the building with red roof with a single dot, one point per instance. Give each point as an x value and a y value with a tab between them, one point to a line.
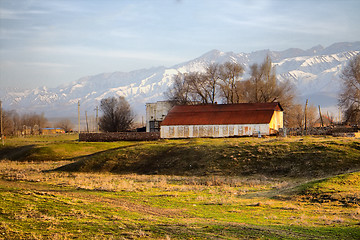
222	120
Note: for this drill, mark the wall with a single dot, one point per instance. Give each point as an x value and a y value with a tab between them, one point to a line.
277	121
156	112
119	136
190	131
52	131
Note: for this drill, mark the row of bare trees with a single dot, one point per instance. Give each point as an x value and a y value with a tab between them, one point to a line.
26	124
117	117
15	124
224	82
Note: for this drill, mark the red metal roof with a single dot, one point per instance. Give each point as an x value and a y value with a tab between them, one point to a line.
220	114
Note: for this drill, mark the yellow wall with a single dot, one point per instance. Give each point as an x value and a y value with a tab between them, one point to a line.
52	131
277	121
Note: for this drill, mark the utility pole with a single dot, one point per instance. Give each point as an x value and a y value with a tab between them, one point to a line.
330	119
305	117
79	118
2	128
340	120
97	119
322	123
86	119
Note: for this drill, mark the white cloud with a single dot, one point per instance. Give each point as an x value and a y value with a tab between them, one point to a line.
115	35
81	51
5	65
9	14
47	64
18	14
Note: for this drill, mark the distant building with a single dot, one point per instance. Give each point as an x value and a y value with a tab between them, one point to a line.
47	131
222	120
324	121
155	114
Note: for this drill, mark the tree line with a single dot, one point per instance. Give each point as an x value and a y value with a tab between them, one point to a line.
225	83
15	124
24	124
117	117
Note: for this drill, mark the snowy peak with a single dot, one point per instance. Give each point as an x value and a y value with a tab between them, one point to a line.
341	47
315	50
315	72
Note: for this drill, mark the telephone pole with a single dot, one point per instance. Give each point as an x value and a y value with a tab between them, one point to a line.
305	117
86	119
322	123
97	119
79	118
2	128
340	121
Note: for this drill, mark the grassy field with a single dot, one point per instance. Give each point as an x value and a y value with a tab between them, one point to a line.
241	188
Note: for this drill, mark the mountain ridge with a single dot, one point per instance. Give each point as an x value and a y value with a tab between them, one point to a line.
313	71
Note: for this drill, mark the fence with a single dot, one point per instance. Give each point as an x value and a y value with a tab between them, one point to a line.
119	136
334	131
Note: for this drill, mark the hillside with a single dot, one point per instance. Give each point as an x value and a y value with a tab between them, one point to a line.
290	157
314	72
235	188
275	158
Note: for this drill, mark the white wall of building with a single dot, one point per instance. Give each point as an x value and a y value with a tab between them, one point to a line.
156	112
193	131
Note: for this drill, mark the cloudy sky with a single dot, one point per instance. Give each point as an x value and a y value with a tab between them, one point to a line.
48	43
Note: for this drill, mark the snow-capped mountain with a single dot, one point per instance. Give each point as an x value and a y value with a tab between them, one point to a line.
315	72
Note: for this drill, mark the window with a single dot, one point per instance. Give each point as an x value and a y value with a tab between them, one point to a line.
155	126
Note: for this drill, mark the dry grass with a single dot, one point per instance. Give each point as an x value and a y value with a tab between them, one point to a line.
229	186
170	204
38	203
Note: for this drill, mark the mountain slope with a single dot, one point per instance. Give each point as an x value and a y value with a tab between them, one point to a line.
315	73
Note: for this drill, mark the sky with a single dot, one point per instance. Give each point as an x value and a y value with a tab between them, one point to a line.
51	43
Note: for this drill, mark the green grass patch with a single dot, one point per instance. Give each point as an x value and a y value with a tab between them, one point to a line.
344	189
156	208
52	148
235	188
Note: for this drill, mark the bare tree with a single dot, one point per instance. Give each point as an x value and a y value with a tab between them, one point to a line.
34	121
179	93
349	99
195	87
295	116
65	124
231	74
8	123
263	85
15	123
117	115
212	78
311	116
224	81
198	87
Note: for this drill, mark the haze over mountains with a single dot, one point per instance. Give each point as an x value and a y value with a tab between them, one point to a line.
315	73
